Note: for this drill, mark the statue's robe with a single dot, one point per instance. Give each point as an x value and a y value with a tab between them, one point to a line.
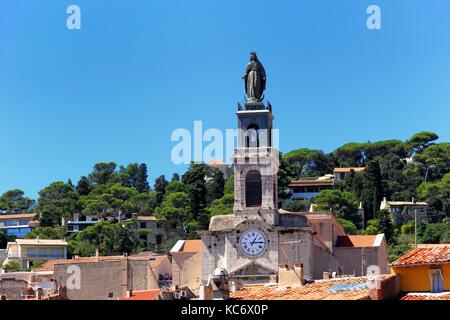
255	80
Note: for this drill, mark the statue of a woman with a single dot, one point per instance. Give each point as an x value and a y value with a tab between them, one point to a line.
255	79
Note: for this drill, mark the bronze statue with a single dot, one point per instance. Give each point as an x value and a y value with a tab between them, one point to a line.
255	79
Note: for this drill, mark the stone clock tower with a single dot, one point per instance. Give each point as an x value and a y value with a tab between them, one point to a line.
253	240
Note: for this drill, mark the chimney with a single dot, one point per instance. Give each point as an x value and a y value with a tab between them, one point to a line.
235	286
97	254
384	199
205	292
37	239
39	294
288	276
129	293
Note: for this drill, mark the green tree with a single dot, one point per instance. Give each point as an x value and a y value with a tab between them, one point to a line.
215	186
384	149
175	177
194	180
143	203
436	233
46	233
436	160
160	187
175	186
343	204
385	224
103	173
420	141
134	176
12	266
13	201
111	238
221	206
437	194
83	186
229	185
56	201
298	206
373	189
350	155
284	176
176	213
307	162
348	226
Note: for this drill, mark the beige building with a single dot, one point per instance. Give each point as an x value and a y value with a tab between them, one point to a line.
402	211
104	278
160	264
27	251
186	264
341	173
148	228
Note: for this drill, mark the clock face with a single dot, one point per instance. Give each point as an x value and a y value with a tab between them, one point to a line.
253	242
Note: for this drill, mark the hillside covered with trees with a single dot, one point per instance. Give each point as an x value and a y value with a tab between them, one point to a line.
398	170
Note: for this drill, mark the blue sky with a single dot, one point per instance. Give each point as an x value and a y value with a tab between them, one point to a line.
116	89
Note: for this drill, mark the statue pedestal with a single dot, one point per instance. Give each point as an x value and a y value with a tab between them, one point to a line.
255	105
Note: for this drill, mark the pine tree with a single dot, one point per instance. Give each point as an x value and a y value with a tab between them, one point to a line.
373	189
83	186
215	186
160	188
140	182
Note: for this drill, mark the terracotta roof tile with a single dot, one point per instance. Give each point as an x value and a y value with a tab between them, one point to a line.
192	246
334	289
426	296
216	162
360	241
144	295
425	254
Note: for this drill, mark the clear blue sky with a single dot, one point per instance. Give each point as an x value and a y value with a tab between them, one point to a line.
116	89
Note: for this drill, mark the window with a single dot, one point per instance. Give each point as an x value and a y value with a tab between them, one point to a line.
30	252
252	136
436	280
143	225
11	223
253	189
42	252
54	253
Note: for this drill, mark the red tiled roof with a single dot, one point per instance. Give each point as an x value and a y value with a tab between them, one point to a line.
192	246
334	289
216	162
428	296
425	254
361	241
143	295
48	265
